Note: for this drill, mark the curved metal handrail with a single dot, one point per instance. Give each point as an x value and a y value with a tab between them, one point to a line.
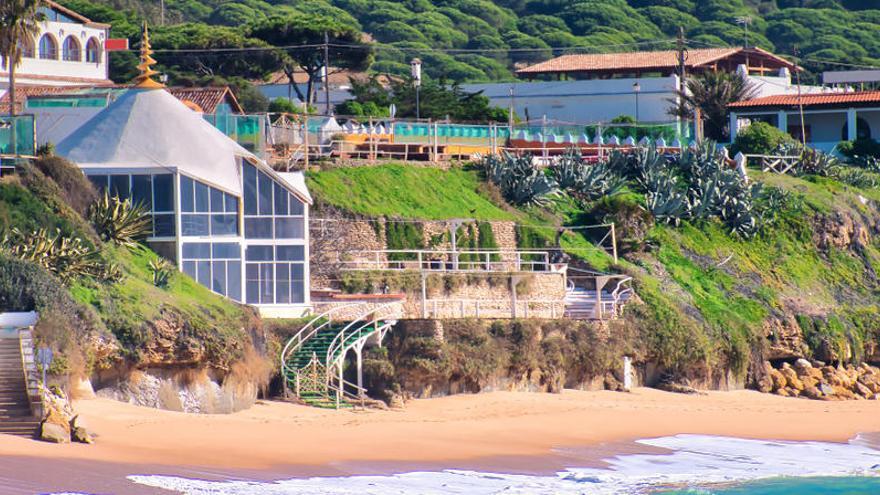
298	339
339	340
617	293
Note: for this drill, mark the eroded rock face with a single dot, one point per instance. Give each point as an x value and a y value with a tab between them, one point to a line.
839	231
785	338
183	392
169	343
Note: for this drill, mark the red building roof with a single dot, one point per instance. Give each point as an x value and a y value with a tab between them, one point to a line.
658	61
812	100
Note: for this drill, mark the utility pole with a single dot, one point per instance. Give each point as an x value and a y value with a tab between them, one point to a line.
797	74
327	73
510	110
680	46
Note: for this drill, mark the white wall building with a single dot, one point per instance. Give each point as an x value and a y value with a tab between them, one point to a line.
70	50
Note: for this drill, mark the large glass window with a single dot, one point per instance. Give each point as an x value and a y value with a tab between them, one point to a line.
48	47
71	50
217	266
270	210
275	274
93	51
206	210
154	191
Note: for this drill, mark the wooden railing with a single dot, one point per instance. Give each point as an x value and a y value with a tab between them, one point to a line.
780	164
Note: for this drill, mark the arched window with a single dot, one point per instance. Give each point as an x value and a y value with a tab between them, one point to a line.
863	130
71	50
93	51
48	47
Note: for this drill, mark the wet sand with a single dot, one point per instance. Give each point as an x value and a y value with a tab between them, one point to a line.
502	432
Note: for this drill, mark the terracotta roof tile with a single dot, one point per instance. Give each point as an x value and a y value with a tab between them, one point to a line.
810	100
630	61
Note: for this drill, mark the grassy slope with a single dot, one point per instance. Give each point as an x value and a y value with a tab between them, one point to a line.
702	308
403	191
396	190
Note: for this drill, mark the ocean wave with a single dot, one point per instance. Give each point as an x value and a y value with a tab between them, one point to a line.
692	460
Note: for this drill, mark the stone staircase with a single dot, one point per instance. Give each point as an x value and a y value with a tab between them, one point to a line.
16	394
580	304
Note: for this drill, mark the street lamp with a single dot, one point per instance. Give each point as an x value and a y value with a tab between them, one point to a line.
416	73
637	88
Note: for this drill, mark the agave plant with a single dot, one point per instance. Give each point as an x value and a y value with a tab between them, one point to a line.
583	181
67	257
162	271
120	220
858	178
521	182
814	162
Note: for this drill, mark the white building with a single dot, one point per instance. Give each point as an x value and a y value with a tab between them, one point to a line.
827	118
70	50
219	212
589	88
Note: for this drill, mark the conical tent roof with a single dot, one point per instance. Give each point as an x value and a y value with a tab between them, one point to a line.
151	128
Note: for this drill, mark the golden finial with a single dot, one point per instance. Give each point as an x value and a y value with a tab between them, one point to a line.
145	78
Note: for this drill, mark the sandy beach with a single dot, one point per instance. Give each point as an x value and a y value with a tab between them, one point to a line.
492	431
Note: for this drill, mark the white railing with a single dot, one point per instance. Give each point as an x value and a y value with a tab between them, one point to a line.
493	308
450	261
315	325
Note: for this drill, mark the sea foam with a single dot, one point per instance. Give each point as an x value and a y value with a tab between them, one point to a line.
692	460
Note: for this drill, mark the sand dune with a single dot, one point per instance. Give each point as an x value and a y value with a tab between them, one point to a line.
464	428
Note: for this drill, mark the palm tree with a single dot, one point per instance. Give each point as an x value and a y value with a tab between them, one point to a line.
712	92
19	24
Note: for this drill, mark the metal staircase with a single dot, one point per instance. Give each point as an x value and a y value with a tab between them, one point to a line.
313	361
602	300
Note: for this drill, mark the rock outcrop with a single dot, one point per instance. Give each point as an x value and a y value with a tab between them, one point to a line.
60	424
815	380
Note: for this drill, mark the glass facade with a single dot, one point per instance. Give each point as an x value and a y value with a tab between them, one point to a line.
275	274
269	267
270	211
215	265
154	191
205	211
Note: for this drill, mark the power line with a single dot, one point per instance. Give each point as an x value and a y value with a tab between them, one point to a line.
380	47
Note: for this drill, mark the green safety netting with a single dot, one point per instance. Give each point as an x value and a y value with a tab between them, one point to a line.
22	128
95	102
246	130
406	130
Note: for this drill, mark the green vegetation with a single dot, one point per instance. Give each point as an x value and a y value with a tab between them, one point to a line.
120	221
99	302
714	281
397	190
760	138
493	35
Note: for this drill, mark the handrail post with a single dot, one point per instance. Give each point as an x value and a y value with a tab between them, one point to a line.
614	242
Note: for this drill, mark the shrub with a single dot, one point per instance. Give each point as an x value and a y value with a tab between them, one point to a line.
814	162
586	182
859	148
73	186
120	220
759	138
